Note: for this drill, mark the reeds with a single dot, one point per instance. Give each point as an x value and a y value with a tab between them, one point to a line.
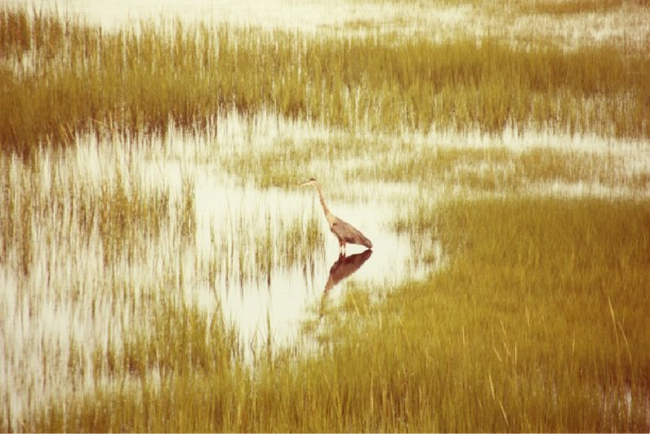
498	170
536	322
78	233
245	249
563	7
539	324
120	211
61	78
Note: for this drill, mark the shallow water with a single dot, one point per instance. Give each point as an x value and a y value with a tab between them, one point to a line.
263	257
247	256
439	20
281	296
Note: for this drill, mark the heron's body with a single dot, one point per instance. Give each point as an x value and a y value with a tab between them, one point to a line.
345	232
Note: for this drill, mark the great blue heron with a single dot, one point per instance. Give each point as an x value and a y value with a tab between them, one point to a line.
345	232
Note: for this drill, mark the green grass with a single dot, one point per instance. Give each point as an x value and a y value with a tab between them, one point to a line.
62	78
537	324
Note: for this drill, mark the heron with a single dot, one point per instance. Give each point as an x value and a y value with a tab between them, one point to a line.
345	232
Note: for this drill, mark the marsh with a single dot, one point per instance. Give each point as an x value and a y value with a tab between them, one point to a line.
159	269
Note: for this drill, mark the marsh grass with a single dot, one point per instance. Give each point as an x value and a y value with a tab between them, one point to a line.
564	7
77	229
120	210
538	323
176	331
125	216
63	78
290	161
98	244
522	331
498	170
252	250
174	351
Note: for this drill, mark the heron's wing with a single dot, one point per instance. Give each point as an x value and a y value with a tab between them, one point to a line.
347	232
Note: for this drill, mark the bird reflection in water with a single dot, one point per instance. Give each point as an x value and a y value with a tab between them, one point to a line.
342	269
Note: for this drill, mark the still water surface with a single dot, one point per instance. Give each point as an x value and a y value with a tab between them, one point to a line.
247	256
282	296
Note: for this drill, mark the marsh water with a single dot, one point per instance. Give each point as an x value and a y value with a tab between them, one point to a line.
263	258
216	219
256	296
115	226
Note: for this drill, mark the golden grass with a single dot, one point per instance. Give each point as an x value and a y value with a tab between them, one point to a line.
62	78
537	324
564	7
500	170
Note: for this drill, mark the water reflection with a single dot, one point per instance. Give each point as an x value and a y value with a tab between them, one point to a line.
197	236
268	253
343	268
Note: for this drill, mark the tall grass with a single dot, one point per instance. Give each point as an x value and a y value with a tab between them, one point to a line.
538	324
247	249
499	170
96	242
80	239
564	7
61	78
117	208
537	321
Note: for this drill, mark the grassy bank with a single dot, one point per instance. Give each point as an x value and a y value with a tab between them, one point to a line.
62	78
538	324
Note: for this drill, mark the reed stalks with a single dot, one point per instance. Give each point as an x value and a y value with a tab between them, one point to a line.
62	78
538	323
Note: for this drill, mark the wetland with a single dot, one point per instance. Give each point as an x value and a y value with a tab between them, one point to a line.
161	270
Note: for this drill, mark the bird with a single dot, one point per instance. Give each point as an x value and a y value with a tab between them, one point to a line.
345	232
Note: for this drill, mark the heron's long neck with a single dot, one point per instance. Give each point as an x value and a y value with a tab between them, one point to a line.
328	214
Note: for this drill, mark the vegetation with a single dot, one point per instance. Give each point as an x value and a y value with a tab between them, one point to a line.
250	249
118	208
117	254
62	78
499	170
570	7
538	324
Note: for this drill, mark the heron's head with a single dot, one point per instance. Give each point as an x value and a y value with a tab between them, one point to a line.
310	181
